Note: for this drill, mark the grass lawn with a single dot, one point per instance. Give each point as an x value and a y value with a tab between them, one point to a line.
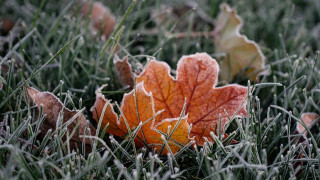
51	47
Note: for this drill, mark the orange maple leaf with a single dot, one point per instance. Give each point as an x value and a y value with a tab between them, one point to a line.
159	99
197	76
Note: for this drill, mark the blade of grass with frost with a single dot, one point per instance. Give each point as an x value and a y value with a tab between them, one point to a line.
183	149
258	120
135	132
18	131
133	136
102	142
248	108
122	149
230	137
128	127
15	47
315	77
234	115
118	28
75	129
40	38
99	125
290	154
39	70
314	142
176	143
54	25
87	169
137	129
200	162
116	42
175	126
136	107
9	77
36	17
292	84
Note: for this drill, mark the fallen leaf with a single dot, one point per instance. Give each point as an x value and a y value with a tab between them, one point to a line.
124	71
101	17
197	76
241	54
5	26
137	108
51	108
158	102
309	120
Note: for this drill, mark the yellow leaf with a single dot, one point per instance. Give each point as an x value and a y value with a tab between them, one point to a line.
241	54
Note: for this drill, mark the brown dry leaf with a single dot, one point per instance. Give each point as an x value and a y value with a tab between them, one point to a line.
101	17
52	107
138	107
157	91
241	54
124	71
5	25
309	120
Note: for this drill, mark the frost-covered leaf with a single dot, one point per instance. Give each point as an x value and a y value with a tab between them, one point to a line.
158	101
241	54
124	71
52	108
197	76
